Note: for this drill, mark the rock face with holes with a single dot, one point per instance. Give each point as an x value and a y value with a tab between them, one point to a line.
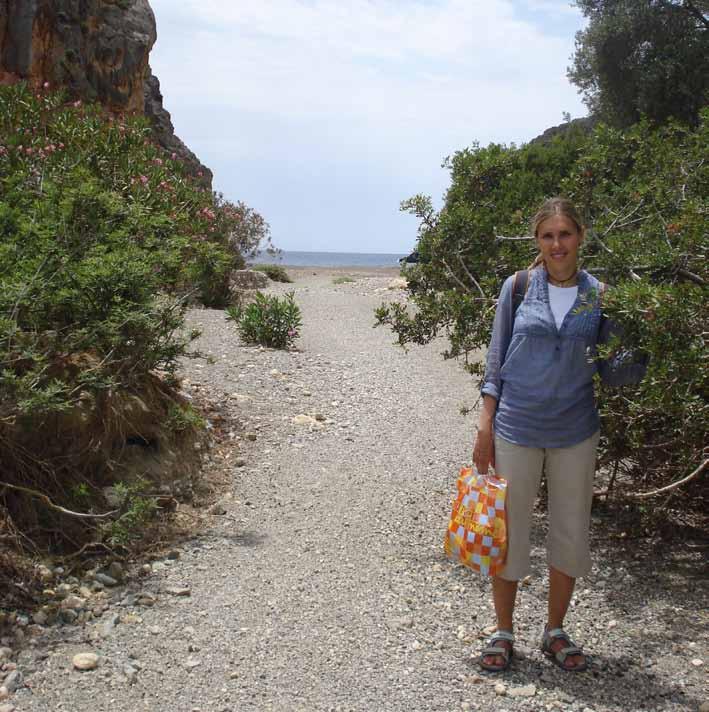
97	49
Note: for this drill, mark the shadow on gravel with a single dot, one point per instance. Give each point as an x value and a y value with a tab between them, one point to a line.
609	683
641	570
245	538
630	690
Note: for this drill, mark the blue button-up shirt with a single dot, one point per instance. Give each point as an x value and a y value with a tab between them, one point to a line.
541	376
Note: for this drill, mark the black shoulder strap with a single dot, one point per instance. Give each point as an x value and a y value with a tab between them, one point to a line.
519	289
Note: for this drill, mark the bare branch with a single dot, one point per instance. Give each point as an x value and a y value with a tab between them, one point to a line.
56	507
500	238
470	276
455	277
599	240
674	485
644	268
691	277
623	218
603	270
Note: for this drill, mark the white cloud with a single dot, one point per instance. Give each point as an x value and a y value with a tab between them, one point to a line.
368	82
370	59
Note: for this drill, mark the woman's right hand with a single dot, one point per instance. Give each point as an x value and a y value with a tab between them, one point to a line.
484	450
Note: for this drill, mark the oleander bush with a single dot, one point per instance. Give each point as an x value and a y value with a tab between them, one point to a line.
104	239
643	192
268	320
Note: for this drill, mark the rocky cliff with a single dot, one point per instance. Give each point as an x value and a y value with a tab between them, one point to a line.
97	49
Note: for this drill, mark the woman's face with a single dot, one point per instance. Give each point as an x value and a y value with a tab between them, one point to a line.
559	240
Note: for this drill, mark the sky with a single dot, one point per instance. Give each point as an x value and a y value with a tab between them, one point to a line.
323	115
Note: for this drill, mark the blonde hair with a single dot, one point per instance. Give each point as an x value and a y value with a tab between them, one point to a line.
550	208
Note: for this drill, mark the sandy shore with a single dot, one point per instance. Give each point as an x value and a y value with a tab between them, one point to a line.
302	273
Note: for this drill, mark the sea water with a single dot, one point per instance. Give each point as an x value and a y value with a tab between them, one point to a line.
295	258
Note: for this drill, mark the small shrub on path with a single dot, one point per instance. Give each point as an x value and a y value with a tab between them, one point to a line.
268	320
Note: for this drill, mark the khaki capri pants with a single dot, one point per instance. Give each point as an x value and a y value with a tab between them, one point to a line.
569	472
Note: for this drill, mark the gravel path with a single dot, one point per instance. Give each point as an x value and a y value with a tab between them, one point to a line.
324	585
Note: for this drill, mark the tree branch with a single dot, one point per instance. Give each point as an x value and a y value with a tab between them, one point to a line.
455	276
674	485
472	279
500	238
691	277
56	507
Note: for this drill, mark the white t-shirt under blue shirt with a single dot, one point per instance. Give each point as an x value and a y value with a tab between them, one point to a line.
561	299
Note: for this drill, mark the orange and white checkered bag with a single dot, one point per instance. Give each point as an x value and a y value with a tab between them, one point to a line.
477	531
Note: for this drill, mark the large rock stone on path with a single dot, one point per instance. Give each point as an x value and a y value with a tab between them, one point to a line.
73	603
398	283
247	279
303	419
85	661
524	691
13	681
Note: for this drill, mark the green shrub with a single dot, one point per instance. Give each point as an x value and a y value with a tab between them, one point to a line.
274	272
136	510
268	320
184	417
643	194
104	237
342	280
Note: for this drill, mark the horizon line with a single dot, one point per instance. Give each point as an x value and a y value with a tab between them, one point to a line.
339	252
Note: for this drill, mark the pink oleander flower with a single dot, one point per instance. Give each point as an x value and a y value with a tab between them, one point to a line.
173	156
200	173
157	161
292	332
45	85
77	104
144	180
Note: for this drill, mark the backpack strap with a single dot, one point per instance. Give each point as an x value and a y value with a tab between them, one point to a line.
520	282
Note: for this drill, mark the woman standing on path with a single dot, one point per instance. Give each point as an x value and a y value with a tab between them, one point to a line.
539	414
